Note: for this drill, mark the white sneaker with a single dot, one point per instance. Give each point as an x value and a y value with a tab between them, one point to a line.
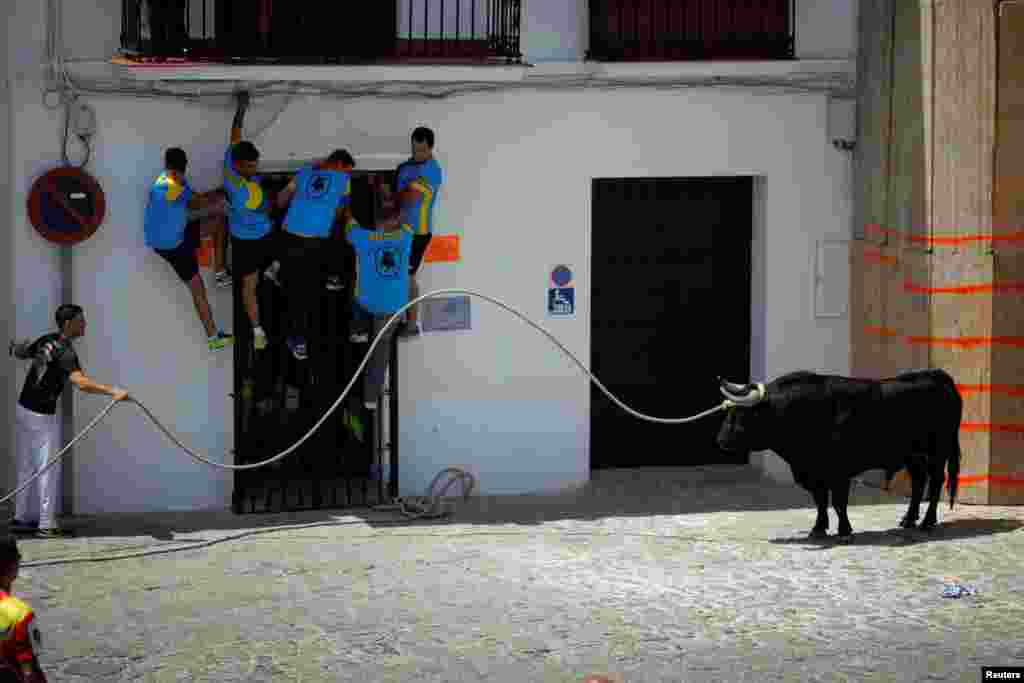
371	405
259	340
271	272
222	279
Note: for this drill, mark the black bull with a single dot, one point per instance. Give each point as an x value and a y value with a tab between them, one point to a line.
831	429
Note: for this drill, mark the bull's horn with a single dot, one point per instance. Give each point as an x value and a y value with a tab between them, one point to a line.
737	389
748	395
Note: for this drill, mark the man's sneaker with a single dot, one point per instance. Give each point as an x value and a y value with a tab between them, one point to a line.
354	425
334	283
272	271
19	527
298	347
54	532
359	338
220	341
371	405
259	340
222	279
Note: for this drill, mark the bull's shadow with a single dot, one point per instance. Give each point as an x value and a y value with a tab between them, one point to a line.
947	530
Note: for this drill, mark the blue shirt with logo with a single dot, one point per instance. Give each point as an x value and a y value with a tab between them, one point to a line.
248	211
382	267
167	211
319	193
426	178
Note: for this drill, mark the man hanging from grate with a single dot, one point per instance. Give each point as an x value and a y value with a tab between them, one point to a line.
316	197
382	288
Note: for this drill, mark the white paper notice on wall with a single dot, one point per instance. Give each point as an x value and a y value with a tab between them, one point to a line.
831	278
446	314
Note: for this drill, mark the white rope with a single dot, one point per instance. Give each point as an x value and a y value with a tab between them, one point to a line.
428	506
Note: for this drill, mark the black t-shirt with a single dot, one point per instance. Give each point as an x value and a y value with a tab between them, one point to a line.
53	362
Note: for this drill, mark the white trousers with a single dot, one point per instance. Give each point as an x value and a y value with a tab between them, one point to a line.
37	439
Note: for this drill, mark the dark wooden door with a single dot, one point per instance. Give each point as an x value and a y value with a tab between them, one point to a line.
670	311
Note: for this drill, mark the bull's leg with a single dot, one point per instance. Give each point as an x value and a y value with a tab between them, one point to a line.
840	500
820	492
936	478
918	474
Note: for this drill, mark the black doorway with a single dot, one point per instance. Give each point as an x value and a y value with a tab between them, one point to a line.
670	311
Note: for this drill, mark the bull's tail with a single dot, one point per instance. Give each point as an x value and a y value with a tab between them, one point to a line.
953	470
953	455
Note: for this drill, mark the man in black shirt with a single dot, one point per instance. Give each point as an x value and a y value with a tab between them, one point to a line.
54	362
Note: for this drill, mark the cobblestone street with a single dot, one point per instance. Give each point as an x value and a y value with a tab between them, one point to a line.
694	574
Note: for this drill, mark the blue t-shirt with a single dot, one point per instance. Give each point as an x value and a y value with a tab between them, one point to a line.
382	267
248	217
166	211
319	193
426	178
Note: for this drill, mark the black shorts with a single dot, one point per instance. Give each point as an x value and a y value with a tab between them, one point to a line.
183	257
251	256
419	247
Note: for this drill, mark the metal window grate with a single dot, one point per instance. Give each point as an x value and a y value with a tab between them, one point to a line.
668	30
278	398
240	31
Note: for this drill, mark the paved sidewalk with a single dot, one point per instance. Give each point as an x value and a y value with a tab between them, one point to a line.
687	574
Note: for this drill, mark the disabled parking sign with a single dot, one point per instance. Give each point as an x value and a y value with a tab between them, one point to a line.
561	292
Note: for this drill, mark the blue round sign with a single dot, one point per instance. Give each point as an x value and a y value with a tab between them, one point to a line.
561	276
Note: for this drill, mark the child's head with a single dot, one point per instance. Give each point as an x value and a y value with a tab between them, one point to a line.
10	560
341	158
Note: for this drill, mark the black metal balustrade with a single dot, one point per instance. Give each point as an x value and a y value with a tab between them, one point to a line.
669	30
375	31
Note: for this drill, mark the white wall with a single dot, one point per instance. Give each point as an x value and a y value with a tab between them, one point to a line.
7	292
826	29
554	30
498	400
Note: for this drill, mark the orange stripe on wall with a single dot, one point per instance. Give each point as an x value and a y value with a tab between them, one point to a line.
975	479
991	427
964	342
1008	389
881	331
1008	287
990	478
875	256
920	238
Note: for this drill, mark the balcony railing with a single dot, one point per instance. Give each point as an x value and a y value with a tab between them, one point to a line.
296	32
667	30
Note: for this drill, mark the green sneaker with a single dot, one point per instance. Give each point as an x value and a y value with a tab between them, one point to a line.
219	342
259	340
355	425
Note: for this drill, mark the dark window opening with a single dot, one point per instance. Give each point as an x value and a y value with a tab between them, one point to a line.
668	30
